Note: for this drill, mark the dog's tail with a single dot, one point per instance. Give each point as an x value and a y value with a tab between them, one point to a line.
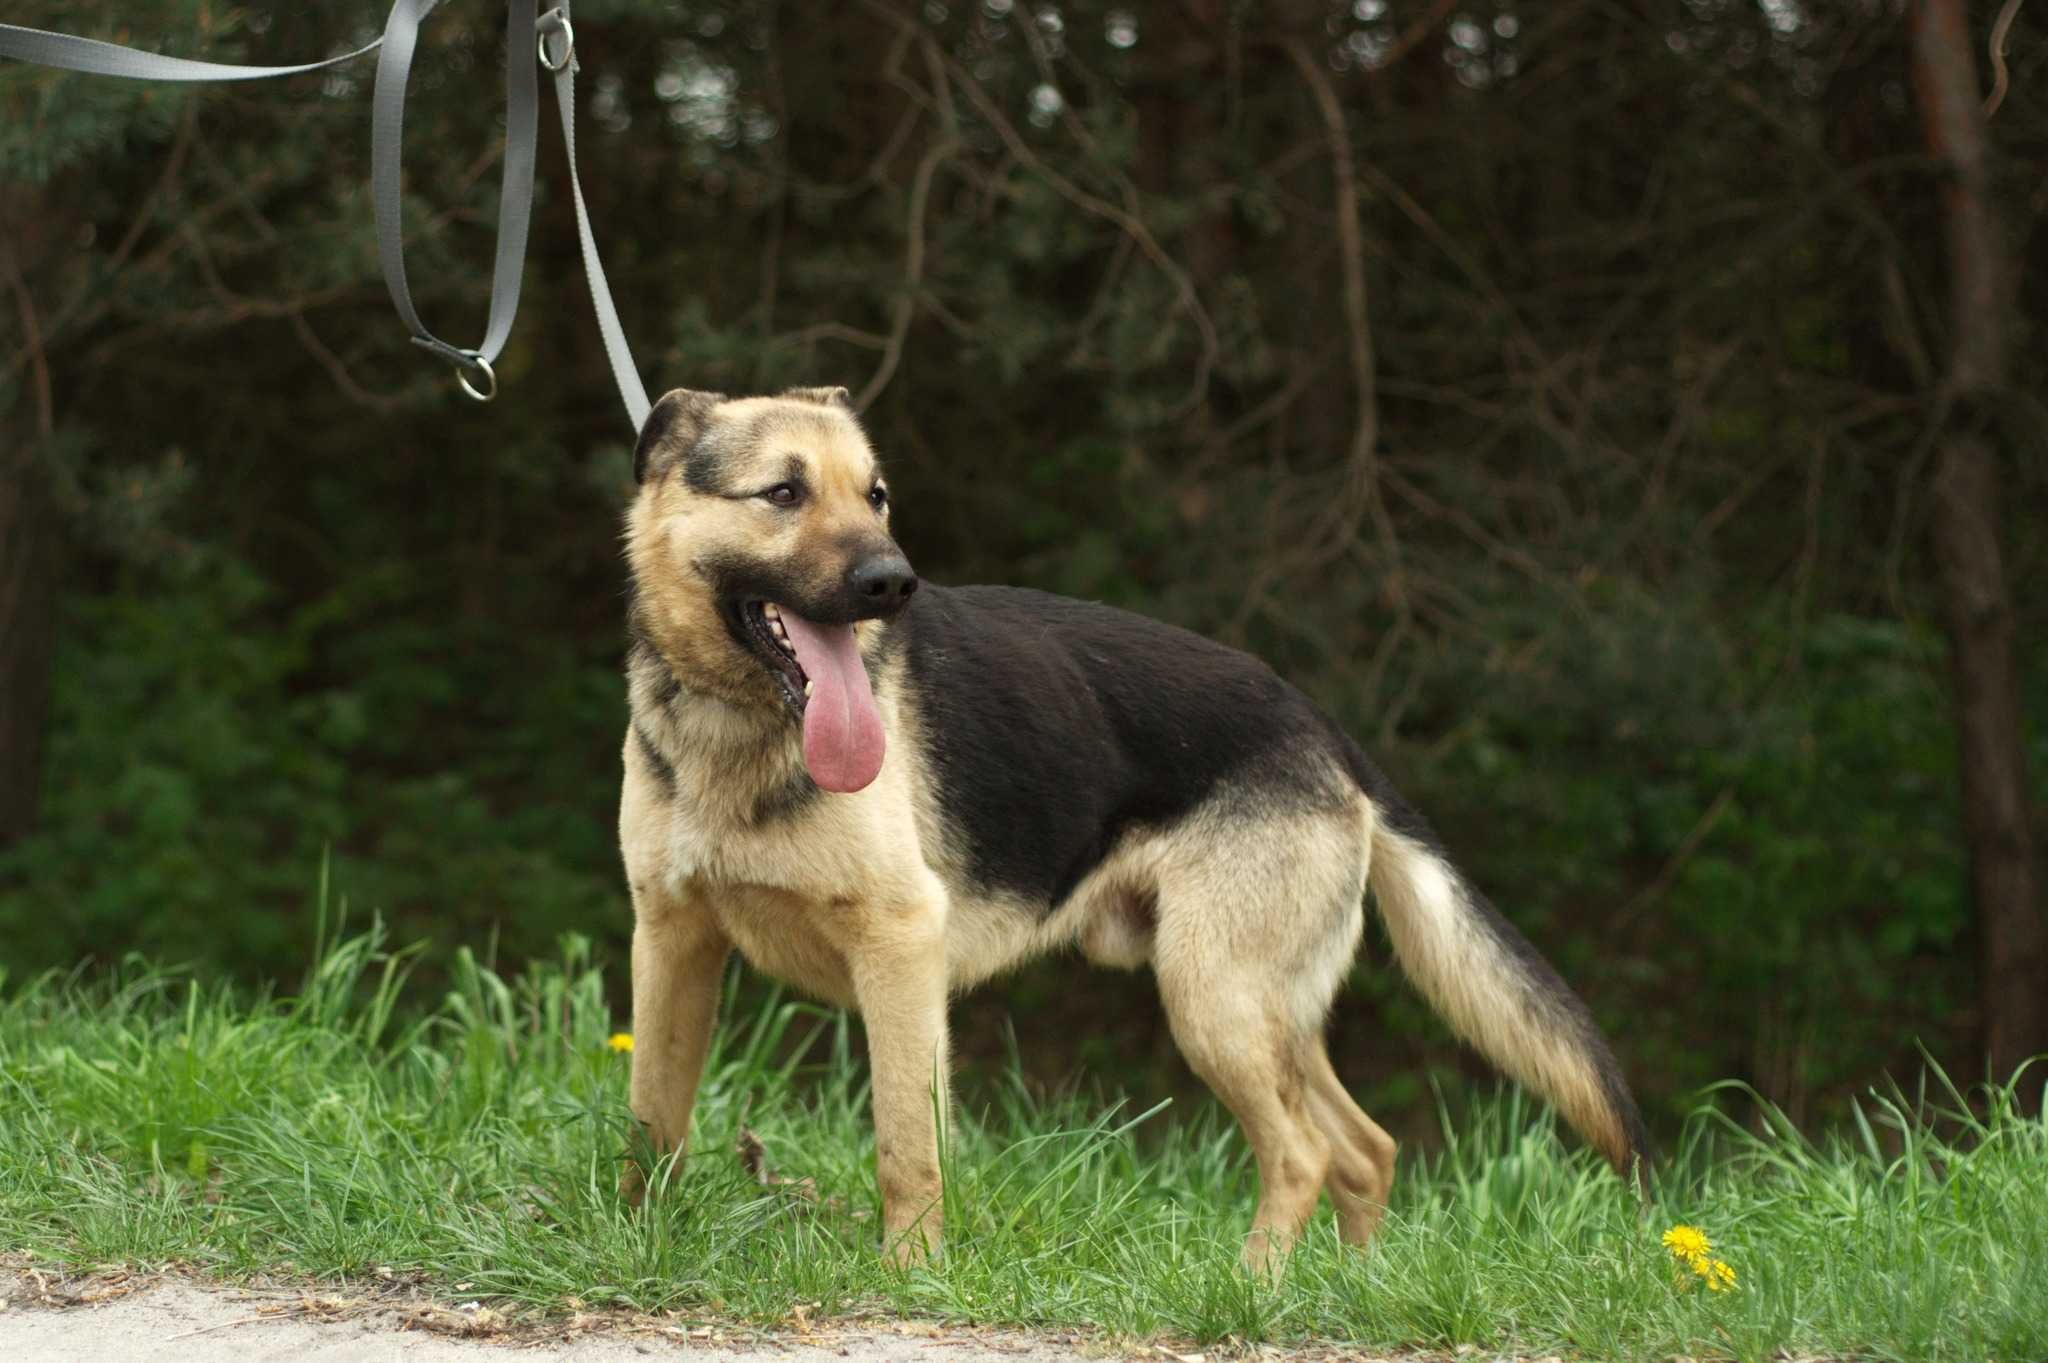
1489	983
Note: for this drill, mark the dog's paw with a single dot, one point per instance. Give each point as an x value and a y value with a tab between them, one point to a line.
913	1247
632	1184
1265	1255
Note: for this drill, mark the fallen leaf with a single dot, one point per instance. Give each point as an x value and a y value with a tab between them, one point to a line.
753	1154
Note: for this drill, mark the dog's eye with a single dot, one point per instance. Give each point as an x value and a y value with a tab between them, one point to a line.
878	496
783	494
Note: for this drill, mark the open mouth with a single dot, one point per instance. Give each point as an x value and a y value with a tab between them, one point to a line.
820	672
764	622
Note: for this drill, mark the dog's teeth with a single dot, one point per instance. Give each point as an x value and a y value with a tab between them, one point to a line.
780	632
770	610
807	689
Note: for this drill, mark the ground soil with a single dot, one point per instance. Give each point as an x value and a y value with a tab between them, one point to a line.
47	1316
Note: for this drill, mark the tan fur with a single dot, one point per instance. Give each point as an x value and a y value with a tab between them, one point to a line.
671	532
1249	910
1464	972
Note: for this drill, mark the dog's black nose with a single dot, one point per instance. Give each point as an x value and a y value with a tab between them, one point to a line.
881	585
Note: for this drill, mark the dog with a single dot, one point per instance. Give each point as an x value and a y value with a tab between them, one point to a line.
884	791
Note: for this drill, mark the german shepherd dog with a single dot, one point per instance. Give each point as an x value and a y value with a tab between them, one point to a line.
884	791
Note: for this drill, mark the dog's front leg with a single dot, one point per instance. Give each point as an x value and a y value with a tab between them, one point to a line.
899	979
679	956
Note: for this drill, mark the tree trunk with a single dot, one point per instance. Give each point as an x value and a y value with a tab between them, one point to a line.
2012	935
28	618
28	529
2012	932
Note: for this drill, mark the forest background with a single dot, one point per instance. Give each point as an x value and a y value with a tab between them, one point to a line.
1625	416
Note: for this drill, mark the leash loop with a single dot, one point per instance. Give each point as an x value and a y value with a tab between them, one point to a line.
395	51
515	190
553	22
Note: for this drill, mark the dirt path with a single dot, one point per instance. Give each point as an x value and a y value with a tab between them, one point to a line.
117	1319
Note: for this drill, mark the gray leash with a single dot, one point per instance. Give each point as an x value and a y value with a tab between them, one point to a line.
554	47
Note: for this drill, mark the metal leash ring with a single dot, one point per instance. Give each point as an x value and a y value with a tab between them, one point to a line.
551	23
477	361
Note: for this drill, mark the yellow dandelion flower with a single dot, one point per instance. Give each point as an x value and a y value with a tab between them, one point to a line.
1693	1252
1687	1243
621	1041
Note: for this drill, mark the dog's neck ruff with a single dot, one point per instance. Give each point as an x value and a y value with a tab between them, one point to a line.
733	766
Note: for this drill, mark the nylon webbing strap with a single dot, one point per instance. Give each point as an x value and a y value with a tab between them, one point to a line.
623	371
555	48
515	194
96	58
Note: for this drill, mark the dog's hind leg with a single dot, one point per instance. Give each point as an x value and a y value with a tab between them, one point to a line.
1235	1036
1257	921
1361	1153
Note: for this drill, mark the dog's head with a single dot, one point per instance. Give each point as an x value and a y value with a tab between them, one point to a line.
762	561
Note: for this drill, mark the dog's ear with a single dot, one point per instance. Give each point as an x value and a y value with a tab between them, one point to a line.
824	397
674	424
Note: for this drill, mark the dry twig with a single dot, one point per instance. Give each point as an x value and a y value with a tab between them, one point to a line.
905	306
2000	78
32	345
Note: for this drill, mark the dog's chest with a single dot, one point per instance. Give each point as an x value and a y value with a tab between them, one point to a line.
799	892
791	894
782	935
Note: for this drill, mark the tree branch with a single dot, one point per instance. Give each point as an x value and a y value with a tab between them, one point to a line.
2000	80
913	273
32	346
1183	285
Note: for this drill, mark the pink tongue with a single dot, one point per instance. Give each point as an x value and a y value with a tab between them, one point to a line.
843	739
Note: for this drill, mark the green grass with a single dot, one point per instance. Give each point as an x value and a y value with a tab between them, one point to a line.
154	1120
